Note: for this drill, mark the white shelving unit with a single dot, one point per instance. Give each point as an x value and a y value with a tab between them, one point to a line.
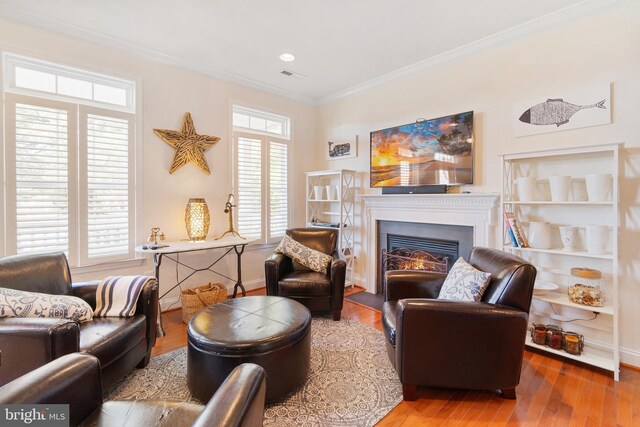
599	325
336	212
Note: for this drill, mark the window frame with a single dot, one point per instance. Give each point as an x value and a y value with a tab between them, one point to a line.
79	261
265	138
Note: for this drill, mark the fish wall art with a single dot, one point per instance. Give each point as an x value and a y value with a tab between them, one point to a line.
587	108
342	150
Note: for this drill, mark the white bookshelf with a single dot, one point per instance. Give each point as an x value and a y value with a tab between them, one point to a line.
338	211
599	325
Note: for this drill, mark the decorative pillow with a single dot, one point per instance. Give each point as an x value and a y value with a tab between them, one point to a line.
15	303
464	282
310	258
117	296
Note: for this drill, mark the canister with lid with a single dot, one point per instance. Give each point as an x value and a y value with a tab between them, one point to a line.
586	287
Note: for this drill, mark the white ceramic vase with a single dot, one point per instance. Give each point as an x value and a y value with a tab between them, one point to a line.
569	237
598	187
539	235
560	186
317	192
526	188
597	238
331	192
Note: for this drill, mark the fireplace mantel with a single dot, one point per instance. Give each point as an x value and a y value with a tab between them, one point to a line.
475	210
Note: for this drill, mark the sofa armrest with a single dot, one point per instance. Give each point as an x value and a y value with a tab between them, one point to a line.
73	379
149	306
275	267
86	291
484	341
239	401
412	284
338	271
28	343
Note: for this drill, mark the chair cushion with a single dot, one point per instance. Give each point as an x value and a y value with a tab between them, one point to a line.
389	321
15	303
144	413
310	258
109	338
464	282
304	283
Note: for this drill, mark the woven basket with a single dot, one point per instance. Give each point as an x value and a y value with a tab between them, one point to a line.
195	299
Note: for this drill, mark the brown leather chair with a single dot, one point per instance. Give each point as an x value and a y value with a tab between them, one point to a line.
316	291
469	345
74	380
121	344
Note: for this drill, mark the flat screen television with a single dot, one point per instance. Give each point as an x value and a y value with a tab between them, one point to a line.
436	152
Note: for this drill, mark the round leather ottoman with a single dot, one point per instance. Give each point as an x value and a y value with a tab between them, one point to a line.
272	332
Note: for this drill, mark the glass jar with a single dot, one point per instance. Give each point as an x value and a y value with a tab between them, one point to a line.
586	287
554	337
539	334
573	343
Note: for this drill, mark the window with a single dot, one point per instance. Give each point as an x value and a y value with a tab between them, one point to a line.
69	163
261	173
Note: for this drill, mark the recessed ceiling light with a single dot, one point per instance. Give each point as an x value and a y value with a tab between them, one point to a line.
287	57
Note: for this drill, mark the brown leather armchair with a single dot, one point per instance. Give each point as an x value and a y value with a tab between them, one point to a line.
469	345
316	291
74	380
121	344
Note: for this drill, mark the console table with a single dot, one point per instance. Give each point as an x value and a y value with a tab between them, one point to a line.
169	249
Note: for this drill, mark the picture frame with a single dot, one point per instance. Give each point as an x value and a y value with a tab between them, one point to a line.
557	111
342	150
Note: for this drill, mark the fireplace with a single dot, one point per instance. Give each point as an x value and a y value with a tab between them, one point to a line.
420	246
477	213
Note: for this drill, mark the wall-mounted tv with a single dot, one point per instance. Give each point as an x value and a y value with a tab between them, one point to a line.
425	153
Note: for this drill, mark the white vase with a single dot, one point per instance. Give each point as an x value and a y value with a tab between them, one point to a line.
569	237
331	192
560	186
539	235
526	188
317	192
597	238
598	187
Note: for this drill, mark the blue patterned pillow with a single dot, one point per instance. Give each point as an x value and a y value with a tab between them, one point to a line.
464	283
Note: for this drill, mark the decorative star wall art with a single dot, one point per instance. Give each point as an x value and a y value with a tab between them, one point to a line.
189	146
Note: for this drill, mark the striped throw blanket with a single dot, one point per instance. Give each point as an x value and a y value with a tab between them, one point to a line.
117	295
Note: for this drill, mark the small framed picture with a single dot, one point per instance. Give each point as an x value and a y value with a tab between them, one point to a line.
342	150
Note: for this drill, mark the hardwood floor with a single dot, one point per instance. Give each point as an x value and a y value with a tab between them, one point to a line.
552	391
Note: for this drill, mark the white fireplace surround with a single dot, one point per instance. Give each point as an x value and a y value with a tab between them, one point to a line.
475	210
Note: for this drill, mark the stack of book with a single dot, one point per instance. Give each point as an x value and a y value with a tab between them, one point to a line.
514	230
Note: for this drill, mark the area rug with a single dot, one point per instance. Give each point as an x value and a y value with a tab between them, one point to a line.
351	383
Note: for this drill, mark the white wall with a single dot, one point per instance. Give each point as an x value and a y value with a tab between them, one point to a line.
165	94
605	48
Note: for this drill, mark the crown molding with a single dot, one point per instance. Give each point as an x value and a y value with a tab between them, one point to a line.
38	21
541	24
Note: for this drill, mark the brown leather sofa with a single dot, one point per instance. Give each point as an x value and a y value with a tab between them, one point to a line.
74	379
121	344
468	345
316	291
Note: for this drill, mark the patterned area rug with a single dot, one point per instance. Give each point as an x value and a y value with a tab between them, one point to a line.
351	383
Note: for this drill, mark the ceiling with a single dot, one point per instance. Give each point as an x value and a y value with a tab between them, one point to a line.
341	46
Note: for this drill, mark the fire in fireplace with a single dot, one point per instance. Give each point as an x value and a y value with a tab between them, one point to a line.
406	259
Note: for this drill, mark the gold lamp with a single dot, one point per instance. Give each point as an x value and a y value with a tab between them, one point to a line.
196	218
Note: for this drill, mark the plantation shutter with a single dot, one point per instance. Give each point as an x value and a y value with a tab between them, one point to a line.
249	186
39	186
108	225
278	189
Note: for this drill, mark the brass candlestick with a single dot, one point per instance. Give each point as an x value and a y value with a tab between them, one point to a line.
153	237
228	209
